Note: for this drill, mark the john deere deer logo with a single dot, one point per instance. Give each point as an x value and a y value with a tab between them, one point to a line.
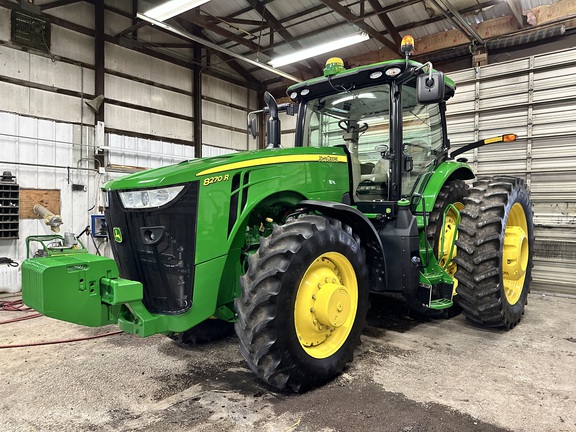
117	235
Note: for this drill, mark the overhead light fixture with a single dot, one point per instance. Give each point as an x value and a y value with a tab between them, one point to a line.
318	49
172	8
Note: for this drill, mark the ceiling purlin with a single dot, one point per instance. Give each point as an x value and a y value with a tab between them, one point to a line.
386	22
345	13
188	26
404	27
194	17
327	11
237	21
132	28
275	24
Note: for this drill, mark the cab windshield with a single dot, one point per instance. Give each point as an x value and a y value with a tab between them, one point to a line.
360	120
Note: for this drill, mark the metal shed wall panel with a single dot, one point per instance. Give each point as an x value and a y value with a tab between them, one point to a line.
535	98
28	142
145	153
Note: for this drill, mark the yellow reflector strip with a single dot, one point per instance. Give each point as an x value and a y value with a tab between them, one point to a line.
493	140
274	160
501	138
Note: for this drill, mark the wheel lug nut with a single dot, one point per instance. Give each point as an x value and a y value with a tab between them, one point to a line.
312	310
313	296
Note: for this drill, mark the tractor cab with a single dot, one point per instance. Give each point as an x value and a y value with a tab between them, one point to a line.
389	117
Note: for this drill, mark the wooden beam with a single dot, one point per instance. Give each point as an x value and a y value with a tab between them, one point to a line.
350	17
516	11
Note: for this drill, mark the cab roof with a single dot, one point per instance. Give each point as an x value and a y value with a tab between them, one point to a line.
358	77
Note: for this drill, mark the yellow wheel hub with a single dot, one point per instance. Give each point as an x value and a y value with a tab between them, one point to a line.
515	253
450	235
326	304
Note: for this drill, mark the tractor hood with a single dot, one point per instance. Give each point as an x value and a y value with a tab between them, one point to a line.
198	169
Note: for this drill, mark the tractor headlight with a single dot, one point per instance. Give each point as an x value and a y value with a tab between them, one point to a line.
140	199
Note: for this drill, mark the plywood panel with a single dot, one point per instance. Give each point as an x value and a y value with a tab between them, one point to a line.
45	197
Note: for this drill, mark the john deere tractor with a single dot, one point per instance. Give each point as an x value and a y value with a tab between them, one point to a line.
286	244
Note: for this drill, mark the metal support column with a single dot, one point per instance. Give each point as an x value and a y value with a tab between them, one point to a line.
197	99
99	55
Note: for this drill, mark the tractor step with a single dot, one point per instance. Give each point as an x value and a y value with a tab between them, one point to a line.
440	304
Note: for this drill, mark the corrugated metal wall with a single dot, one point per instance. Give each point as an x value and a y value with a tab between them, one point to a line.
45	154
149	118
535	98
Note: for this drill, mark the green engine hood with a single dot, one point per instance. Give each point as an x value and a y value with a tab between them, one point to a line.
199	169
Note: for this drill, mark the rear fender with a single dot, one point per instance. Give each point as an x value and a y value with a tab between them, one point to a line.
446	171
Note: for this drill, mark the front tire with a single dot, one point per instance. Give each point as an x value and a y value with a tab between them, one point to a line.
495	250
303	304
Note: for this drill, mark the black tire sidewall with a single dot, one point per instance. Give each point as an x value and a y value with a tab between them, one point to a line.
518	195
306	367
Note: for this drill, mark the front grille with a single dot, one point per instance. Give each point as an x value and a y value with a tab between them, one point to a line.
164	267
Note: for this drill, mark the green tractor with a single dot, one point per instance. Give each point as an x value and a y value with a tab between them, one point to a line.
286	244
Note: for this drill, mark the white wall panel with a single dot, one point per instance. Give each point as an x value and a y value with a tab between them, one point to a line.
170	127
4	29
171	101
209	151
82	13
225	115
14	63
114	23
127	119
59	107
14	98
27	140
170	74
127	90
225	138
127	61
145	153
73	45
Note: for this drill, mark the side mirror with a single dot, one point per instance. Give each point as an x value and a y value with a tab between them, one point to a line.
253	127
430	88
408	163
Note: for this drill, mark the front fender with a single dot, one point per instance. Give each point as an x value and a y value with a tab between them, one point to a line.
361	225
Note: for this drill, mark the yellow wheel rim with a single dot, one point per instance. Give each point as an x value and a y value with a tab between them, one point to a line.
326	304
515	253
450	235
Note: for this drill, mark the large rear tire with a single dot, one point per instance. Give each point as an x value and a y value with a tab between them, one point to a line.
303	304
495	250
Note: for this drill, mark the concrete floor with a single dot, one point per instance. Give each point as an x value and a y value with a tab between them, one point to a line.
409	375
